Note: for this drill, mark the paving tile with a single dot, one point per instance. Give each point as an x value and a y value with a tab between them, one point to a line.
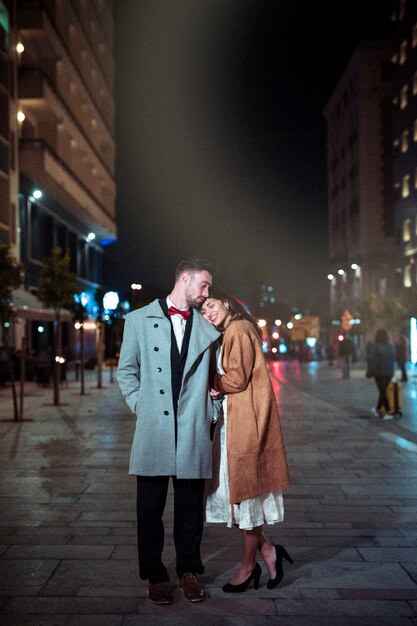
26	572
360	575
71	575
68	606
59	552
343	607
61	620
411	569
389	554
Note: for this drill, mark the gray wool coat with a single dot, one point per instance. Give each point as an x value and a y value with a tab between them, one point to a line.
144	377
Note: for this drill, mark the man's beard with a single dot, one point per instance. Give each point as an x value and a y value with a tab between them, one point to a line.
197	303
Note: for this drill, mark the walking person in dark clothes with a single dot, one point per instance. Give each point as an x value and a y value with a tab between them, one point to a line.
380	362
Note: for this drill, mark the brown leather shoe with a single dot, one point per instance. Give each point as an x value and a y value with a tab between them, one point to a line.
160	593
193	591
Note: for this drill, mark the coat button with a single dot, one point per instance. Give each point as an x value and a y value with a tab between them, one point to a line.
166	412
155	325
159	369
156	349
161	391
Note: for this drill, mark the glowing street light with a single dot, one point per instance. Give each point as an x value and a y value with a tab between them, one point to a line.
21	116
20	48
136	286
262	323
37	194
111	300
330	276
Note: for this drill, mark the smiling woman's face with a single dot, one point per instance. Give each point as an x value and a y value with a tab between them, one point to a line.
215	311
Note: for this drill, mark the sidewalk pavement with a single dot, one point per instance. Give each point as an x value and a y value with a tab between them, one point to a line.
67	515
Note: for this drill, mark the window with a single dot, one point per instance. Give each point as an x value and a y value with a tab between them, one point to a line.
415	179
405	188
407	276
415	130
404	141
404	96
406	230
415	84
414	36
403	52
382	286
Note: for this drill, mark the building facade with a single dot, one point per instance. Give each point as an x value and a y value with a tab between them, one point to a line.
359	149
404	59
66	147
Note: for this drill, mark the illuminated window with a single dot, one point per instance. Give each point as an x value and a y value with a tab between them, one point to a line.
414	36
405	188
407	276
404	96
407	230
394	58
404	141
415	83
403	52
415	130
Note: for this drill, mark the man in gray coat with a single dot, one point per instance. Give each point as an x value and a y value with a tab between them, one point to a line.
163	373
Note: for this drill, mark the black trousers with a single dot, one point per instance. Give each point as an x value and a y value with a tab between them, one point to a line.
382	383
188	525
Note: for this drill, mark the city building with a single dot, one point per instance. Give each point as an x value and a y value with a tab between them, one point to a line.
404	59
360	198
9	174
62	114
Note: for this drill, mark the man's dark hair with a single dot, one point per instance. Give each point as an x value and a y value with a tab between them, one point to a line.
195	264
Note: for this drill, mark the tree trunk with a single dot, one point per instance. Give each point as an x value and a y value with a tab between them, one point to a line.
111	354
22	376
57	353
82	358
99	355
11	372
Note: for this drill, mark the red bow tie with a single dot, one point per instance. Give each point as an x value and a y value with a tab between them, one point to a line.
174	311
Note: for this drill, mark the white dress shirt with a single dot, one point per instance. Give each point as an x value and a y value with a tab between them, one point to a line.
178	324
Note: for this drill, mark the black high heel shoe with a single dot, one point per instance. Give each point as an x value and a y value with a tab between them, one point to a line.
281	553
255	576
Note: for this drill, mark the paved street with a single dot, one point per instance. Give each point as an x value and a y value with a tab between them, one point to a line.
67	535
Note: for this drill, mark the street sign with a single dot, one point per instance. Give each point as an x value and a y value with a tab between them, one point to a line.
346	320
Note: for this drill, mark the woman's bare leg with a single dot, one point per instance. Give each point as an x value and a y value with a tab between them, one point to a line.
251	539
268	554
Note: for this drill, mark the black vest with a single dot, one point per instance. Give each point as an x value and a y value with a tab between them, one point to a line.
177	359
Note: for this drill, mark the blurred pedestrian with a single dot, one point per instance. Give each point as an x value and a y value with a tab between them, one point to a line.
44	362
346	352
330	352
402	356
250	465
163	373
380	366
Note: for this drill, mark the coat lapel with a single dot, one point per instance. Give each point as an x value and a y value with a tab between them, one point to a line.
203	335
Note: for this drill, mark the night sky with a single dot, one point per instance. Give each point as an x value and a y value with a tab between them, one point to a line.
221	138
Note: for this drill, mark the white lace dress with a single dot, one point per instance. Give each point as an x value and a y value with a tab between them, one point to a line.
248	514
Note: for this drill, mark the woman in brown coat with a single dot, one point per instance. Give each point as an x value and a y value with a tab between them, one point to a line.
250	466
